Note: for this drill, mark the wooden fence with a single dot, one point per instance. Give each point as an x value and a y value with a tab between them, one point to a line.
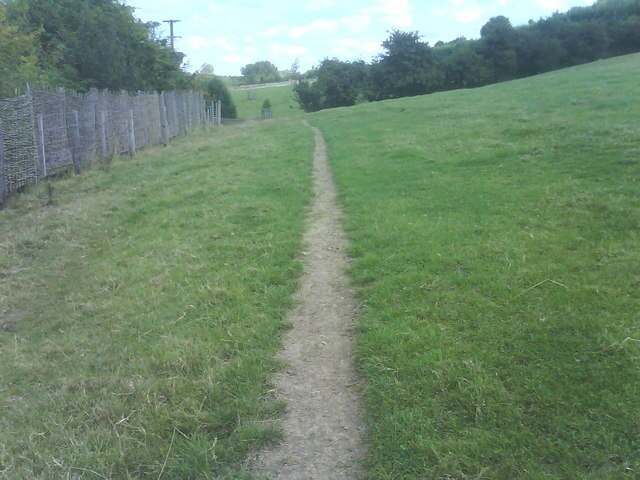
43	133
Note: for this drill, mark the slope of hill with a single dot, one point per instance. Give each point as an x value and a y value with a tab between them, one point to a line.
496	252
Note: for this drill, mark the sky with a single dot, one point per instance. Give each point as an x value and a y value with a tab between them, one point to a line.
229	34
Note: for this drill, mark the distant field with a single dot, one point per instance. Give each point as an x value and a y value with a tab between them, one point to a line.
497	255
141	305
284	105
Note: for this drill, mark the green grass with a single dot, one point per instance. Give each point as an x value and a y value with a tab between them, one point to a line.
495	242
282	101
141	310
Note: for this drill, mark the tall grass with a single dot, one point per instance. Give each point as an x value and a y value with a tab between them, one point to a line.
141	308
496	252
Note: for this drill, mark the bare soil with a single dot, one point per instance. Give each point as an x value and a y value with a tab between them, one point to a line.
323	431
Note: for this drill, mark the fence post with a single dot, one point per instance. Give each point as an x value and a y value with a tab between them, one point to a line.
203	111
184	115
164	123
103	134
3	181
132	135
219	112
75	135
42	149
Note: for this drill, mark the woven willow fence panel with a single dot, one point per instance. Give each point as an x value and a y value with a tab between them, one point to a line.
47	132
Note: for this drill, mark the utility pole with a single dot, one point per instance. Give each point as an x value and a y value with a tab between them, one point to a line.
171	35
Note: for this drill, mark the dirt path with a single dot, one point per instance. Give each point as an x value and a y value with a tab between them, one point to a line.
322	428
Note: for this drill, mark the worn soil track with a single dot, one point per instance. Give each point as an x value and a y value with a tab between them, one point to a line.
322	427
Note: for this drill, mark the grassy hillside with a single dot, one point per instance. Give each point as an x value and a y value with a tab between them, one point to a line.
496	252
495	243
140	310
282	100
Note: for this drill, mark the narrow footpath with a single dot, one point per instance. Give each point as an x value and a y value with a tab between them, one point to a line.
323	431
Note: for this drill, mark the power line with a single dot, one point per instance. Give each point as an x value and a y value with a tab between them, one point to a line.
171	35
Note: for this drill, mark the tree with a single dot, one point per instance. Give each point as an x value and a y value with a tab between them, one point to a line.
338	84
217	90
584	41
497	45
462	66
293	73
341	82
260	72
308	97
97	43
295	69
625	36
201	78
18	57
537	52
206	70
407	68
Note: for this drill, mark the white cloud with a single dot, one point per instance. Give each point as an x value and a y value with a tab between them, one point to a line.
561	5
218	9
398	13
345	48
341	52
236	59
274	31
348	43
357	23
197	42
440	12
317	26
371	48
466	11
203	22
351	48
551	4
323	26
470	14
250	51
320	4
281	50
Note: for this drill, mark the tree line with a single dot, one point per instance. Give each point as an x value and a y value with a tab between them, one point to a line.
80	45
503	52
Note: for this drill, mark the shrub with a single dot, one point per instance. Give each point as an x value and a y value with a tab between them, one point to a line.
217	90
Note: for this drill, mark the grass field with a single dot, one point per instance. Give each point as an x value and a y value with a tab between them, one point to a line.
282	100
141	309
496	252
